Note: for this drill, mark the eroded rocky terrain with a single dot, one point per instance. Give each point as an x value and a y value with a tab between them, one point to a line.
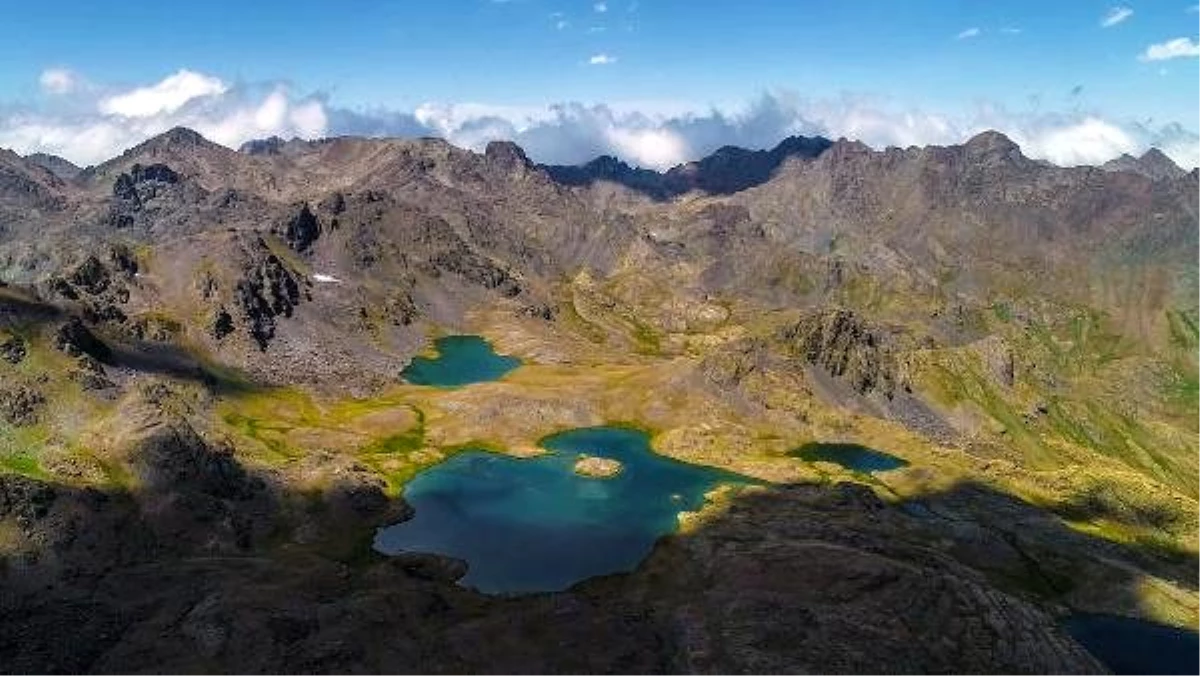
202	419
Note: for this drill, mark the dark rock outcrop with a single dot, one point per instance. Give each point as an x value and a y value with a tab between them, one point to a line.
13	349
269	289
842	344
222	324
20	405
91	276
507	156
153	173
302	230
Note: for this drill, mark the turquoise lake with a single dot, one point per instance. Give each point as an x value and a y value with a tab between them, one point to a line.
1130	646
851	456
530	525
461	360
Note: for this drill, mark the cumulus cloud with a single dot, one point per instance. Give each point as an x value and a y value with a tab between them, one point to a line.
166	96
602	60
58	81
1115	16
106	121
968	33
1171	49
573	133
647	134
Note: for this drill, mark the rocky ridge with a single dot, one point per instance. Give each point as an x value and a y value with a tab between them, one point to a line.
200	410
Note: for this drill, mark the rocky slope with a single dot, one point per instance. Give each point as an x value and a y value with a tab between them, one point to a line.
202	418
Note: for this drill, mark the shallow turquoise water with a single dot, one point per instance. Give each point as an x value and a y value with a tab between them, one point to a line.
1131	646
526	525
461	360
851	456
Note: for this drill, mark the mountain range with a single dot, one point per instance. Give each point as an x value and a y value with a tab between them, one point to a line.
202	418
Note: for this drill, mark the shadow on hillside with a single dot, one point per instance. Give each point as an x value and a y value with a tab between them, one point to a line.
207	566
19	307
22	309
173	361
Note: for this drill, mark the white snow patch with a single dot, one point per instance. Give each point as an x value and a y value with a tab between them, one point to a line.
327	279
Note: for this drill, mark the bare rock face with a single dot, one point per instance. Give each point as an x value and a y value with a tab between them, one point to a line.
1154	164
222	324
507	156
302	230
91	276
13	349
730	365
20	405
269	289
840	342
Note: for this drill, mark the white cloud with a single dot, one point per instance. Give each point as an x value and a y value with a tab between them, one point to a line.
1115	16
1011	31
656	134
112	120
574	133
600	7
968	33
561	24
657	148
602	60
166	96
58	81
1171	49
1088	141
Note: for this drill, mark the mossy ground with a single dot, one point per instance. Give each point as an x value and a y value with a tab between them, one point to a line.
1067	436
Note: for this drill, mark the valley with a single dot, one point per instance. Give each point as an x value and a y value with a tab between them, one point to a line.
924	391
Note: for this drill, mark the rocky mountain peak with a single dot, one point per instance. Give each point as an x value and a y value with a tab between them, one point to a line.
1156	163
56	165
1153	164
507	155
992	145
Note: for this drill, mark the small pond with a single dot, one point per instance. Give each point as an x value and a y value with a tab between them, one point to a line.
460	360
534	524
1130	646
851	456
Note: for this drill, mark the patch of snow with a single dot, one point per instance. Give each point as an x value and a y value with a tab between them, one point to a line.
327	279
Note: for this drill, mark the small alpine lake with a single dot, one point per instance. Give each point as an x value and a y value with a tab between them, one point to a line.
851	456
1131	646
460	360
534	524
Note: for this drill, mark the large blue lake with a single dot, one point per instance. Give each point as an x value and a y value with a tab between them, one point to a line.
529	525
460	360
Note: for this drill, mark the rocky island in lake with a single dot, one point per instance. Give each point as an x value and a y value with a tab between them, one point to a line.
595	467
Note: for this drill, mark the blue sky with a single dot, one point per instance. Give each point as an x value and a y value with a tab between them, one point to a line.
963	64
